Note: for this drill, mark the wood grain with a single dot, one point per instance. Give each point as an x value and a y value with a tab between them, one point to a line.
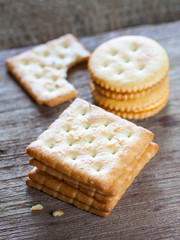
150	209
23	23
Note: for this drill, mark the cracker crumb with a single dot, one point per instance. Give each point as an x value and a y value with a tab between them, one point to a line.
57	213
37	207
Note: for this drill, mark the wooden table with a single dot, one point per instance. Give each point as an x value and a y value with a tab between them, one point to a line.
150	209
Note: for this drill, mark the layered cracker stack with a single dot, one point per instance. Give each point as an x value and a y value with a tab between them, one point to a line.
42	71
130	76
88	157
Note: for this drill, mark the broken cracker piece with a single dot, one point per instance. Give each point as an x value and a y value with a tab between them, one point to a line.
37	207
57	213
42	71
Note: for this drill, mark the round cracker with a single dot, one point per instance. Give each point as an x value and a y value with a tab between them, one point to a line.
131	104
128	64
125	96
148	112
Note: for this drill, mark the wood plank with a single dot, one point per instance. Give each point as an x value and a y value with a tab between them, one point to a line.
23	23
150	209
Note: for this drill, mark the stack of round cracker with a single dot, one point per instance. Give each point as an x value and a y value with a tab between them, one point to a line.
130	76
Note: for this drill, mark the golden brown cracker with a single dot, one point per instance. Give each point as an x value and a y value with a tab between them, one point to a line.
42	71
71	145
128	64
144	113
132	105
63	191
125	96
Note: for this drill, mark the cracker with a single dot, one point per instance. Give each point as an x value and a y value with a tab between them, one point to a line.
93	193
125	96
37	207
128	64
56	185
61	176
145	113
63	191
57	213
131	105
64	198
71	145
42	71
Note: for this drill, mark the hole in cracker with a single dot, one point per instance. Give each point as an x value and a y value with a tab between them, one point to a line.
58	67
105	64
126	59
50	89
61	56
113	52
55	78
109	137
86	125
141	67
57	86
49	86
128	134
93	154
83	112
134	47
119	71
105	123
97	168
90	140
42	65
67	129
46	53
114	151
50	145
37	76
25	62
70	143
65	45
74	157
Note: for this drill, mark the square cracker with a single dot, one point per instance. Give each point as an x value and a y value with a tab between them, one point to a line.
67	193
64	198
42	71
60	185
91	145
92	192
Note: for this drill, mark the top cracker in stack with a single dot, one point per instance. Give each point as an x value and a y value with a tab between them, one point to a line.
130	76
89	157
42	71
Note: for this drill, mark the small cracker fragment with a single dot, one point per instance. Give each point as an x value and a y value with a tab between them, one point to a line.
57	213
42	71
37	207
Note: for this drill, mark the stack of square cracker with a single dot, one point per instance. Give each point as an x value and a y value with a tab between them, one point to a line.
130	76
89	157
42	71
